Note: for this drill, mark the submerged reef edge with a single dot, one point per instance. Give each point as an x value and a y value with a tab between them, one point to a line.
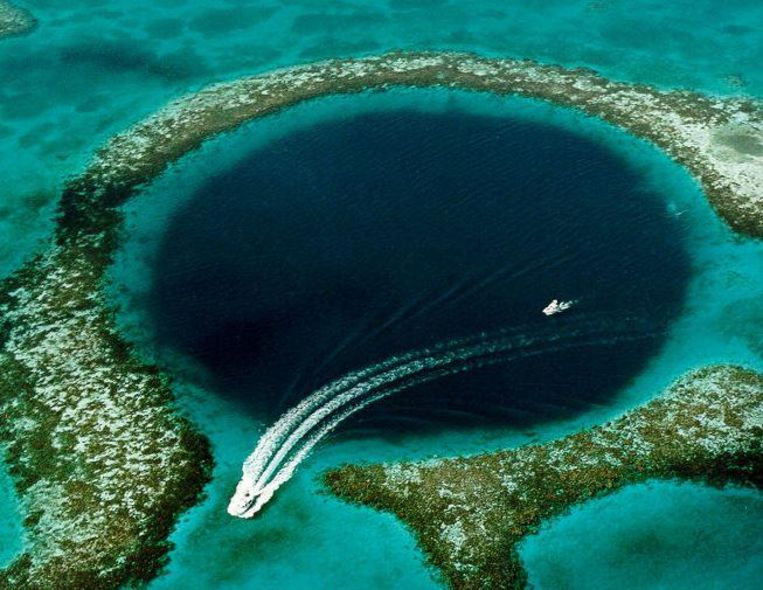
15	20
102	461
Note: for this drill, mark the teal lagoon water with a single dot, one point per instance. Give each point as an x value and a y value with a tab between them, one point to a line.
654	535
302	525
11	532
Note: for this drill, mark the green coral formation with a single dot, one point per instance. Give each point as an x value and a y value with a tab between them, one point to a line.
14	20
103	463
469	514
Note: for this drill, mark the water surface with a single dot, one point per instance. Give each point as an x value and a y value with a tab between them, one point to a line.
650	536
342	245
92	68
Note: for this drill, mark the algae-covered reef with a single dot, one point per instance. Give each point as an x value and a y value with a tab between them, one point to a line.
102	462
14	20
469	514
720	140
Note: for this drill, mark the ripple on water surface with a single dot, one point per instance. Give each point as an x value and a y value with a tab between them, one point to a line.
352	241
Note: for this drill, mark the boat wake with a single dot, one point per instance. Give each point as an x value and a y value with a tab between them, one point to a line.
287	443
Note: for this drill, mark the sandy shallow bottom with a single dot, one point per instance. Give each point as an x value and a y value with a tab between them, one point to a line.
10	519
655	535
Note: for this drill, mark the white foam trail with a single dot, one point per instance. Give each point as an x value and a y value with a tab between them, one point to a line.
357	392
297	432
281	428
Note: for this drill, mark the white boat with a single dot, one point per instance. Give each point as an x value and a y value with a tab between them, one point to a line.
557	306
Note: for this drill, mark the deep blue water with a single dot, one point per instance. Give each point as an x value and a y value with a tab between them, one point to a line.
353	240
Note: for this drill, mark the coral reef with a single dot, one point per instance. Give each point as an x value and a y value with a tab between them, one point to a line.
718	140
469	513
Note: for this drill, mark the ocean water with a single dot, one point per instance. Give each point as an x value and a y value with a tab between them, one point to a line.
653	535
715	323
92	68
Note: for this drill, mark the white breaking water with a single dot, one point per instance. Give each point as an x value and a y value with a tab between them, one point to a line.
293	436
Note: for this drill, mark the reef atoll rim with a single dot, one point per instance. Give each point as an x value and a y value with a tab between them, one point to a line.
14	20
720	140
469	513
102	462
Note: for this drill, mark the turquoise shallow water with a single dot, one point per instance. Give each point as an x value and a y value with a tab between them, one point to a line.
92	68
10	519
655	535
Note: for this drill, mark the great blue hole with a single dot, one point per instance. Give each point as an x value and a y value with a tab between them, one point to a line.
353	240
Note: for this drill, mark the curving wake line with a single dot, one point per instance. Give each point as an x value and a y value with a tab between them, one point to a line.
290	439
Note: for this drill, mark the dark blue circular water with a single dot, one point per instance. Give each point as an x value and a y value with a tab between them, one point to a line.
354	240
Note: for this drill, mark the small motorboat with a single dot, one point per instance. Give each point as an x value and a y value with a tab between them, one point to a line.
557	306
